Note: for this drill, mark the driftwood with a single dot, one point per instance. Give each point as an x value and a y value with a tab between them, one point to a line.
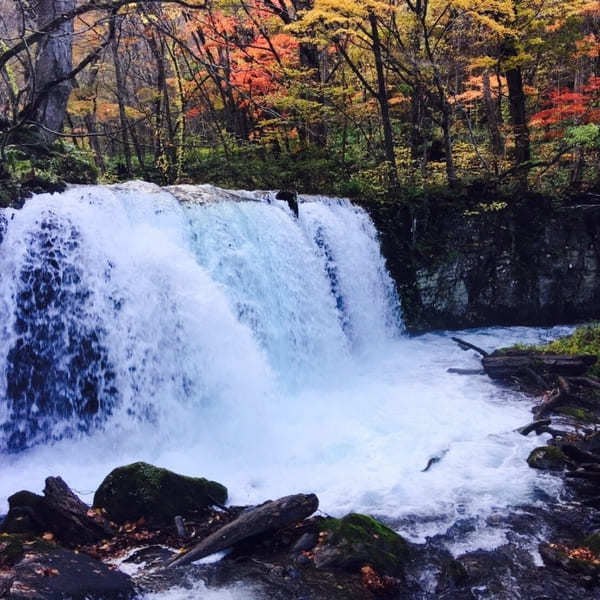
267	517
434	460
468	346
537	426
504	366
72	521
466	371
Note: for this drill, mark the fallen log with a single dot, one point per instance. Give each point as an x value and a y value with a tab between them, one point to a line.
504	366
466	371
270	516
537	426
468	346
588	381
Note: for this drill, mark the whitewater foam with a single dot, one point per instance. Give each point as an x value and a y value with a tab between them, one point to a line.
252	347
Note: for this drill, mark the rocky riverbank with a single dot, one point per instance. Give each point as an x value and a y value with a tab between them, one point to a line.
55	547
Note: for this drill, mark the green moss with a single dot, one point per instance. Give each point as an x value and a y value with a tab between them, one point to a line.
361	540
580	414
585	340
546	458
143	490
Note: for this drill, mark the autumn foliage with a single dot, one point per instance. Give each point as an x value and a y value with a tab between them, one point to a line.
367	95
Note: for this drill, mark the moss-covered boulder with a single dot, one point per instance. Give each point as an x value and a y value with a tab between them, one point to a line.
356	541
143	490
548	458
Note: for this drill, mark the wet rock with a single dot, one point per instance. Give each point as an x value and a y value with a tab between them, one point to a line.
59	511
24	514
573	560
358	540
143	490
34	569
307	541
291	198
547	458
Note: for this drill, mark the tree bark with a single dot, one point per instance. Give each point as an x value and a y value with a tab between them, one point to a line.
518	116
270	516
54	61
491	111
120	81
382	98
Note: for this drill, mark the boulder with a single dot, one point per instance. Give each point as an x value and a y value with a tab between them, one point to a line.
33	568
142	490
357	541
547	458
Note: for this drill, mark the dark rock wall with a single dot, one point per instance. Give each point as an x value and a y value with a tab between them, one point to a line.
469	268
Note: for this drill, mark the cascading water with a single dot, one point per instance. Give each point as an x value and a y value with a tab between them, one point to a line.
218	334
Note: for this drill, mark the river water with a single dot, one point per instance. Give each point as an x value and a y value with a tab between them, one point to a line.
217	334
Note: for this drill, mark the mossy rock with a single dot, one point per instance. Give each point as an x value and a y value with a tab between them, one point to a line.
357	540
579	414
143	490
548	458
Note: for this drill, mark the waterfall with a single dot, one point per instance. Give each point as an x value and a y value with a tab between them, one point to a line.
219	334
114	300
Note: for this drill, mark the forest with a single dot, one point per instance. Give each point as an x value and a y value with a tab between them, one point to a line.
365	98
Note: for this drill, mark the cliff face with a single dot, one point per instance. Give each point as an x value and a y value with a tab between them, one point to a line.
458	269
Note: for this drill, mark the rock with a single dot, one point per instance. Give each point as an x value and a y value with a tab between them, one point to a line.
570	559
159	495
357	541
592	541
24	514
503	366
547	458
269	516
59	512
34	569
306	541
291	198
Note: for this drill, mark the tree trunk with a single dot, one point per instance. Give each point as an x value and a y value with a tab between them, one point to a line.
496	140
54	61
518	116
119	80
447	127
382	98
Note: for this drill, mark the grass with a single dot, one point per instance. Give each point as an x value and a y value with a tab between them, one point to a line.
585	340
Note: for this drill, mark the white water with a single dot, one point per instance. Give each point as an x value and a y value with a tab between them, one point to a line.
232	341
